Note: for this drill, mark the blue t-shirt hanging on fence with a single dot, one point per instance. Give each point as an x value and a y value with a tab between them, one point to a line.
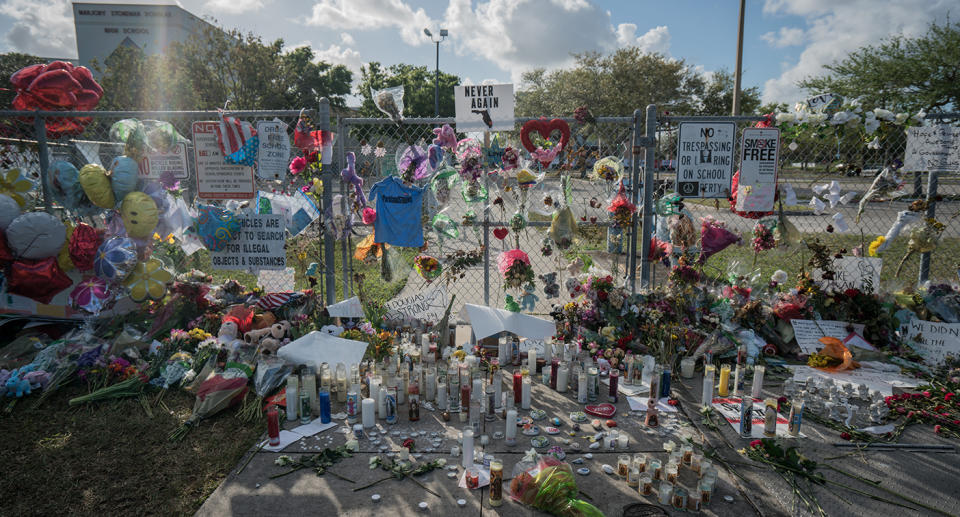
398	213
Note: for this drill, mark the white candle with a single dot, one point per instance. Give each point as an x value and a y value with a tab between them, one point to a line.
382	404
525	395
467	448
368	415
686	367
431	385
757	387
375	388
709	377
511	429
623	440
441	395
498	388
293	396
532	360
563	374
582	388
477	392
547	352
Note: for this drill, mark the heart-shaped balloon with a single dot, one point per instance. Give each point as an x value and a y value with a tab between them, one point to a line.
601	410
500	233
545	128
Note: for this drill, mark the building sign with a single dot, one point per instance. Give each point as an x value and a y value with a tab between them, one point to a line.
484	107
217	179
705	159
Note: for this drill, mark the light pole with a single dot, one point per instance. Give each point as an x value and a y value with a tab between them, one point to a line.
436	89
737	73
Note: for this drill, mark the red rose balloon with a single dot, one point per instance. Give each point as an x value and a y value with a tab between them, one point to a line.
38	280
83	246
57	86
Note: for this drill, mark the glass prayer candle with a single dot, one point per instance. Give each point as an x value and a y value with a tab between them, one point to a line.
563	377
413	401
706	492
473	478
679	499
645	487
465	401
554	366
293	396
623	466
273	426
746	417
593	384
623	440
665	492
695	462
341	382
496	483
532	360
687	365
582	395
612	396
723	385
796	417
709	374
633	477
655	468
770	418
738	381
517	387
705	465
640	461
687	451
491	405
324	402
631	368
665	382
693	501
672	472
525	395
756	389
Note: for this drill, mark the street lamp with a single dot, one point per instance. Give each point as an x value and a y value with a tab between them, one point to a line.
436	90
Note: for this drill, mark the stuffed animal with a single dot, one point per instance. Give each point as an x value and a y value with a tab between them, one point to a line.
550	286
17	384
529	300
349	175
228	332
571	284
269	345
261	321
279	330
511	304
254	336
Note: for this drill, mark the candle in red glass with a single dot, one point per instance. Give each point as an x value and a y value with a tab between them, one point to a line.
554	364
273	426
517	386
465	396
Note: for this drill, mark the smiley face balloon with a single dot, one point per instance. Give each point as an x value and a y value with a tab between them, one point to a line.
140	215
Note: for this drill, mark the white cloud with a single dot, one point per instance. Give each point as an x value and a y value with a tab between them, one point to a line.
372	14
347	39
785	37
338	55
233	6
43	28
654	40
518	35
834	29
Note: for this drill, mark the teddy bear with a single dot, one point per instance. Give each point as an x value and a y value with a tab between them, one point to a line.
228	332
254	336
529	300
264	320
550	286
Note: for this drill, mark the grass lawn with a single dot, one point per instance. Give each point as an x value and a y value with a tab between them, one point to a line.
111	458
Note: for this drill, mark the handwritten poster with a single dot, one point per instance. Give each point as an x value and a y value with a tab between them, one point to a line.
933	148
274	154
809	332
217	179
427	305
861	273
484	107
705	159
935	341
259	245
759	154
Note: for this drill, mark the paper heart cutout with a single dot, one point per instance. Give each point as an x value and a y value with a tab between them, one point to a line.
601	410
500	233
545	128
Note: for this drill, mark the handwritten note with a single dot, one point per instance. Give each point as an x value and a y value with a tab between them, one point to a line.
809	332
427	305
861	273
935	341
933	148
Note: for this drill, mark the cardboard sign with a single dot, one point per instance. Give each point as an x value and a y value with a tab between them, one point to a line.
828	103
809	332
705	159
174	161
273	156
933	149
259	245
935	341
729	409
427	305
759	155
217	179
861	273
484	107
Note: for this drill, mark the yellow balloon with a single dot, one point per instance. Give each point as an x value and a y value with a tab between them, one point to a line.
96	184
140	215
148	281
63	258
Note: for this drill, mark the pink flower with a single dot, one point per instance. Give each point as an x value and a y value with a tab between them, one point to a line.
368	215
756	443
926	394
948	396
936	429
297	165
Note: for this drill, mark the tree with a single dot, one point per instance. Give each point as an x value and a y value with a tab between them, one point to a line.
901	74
614	84
717	96
9	64
418	89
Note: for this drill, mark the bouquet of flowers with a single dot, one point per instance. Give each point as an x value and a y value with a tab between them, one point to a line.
427	267
270	373
515	267
608	169
714	237
621	210
923	239
547	484
217	391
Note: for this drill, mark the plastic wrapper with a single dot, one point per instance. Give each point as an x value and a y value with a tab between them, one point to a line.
389	101
214	394
474	192
412	162
547	484
22	350
445	227
714	237
271	372
562	228
441	185
427	267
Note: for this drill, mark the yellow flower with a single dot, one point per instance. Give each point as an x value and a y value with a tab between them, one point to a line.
872	249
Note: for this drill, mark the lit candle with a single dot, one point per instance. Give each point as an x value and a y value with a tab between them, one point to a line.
467	448
368	413
709	377
563	378
722	386
686	367
510	433
525	398
757	386
293	396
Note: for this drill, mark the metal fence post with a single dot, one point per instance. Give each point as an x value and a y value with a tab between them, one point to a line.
40	130
486	237
635	199
323	123
932	183
648	187
344	200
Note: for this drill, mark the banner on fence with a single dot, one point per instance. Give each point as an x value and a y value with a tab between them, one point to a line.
259	245
484	107
426	305
705	159
759	152
217	179
933	149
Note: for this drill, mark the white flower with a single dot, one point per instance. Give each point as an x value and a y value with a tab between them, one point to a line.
883	114
785	118
816	118
918	118
870	125
366	149
901	118
801	116
853	121
800	107
841	117
874	144
779	276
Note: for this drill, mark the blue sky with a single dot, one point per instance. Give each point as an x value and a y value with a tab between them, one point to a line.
496	40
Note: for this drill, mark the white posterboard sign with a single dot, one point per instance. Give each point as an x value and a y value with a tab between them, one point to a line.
217	179
809	332
427	305
729	409
484	107
759	155
273	156
861	273
824	103
259	245
935	341
175	161
933	149
705	159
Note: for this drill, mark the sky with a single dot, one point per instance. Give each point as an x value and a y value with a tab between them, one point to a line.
497	40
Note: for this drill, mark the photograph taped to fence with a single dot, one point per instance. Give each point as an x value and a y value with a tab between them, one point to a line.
705	159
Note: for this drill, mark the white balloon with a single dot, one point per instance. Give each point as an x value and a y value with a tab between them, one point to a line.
9	210
36	235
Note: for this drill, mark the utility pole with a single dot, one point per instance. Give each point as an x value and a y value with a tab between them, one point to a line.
737	73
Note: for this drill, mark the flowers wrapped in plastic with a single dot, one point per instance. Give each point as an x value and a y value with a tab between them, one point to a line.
515	267
218	390
270	374
389	101
608	169
562	227
621	210
427	267
714	237
923	239
547	484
